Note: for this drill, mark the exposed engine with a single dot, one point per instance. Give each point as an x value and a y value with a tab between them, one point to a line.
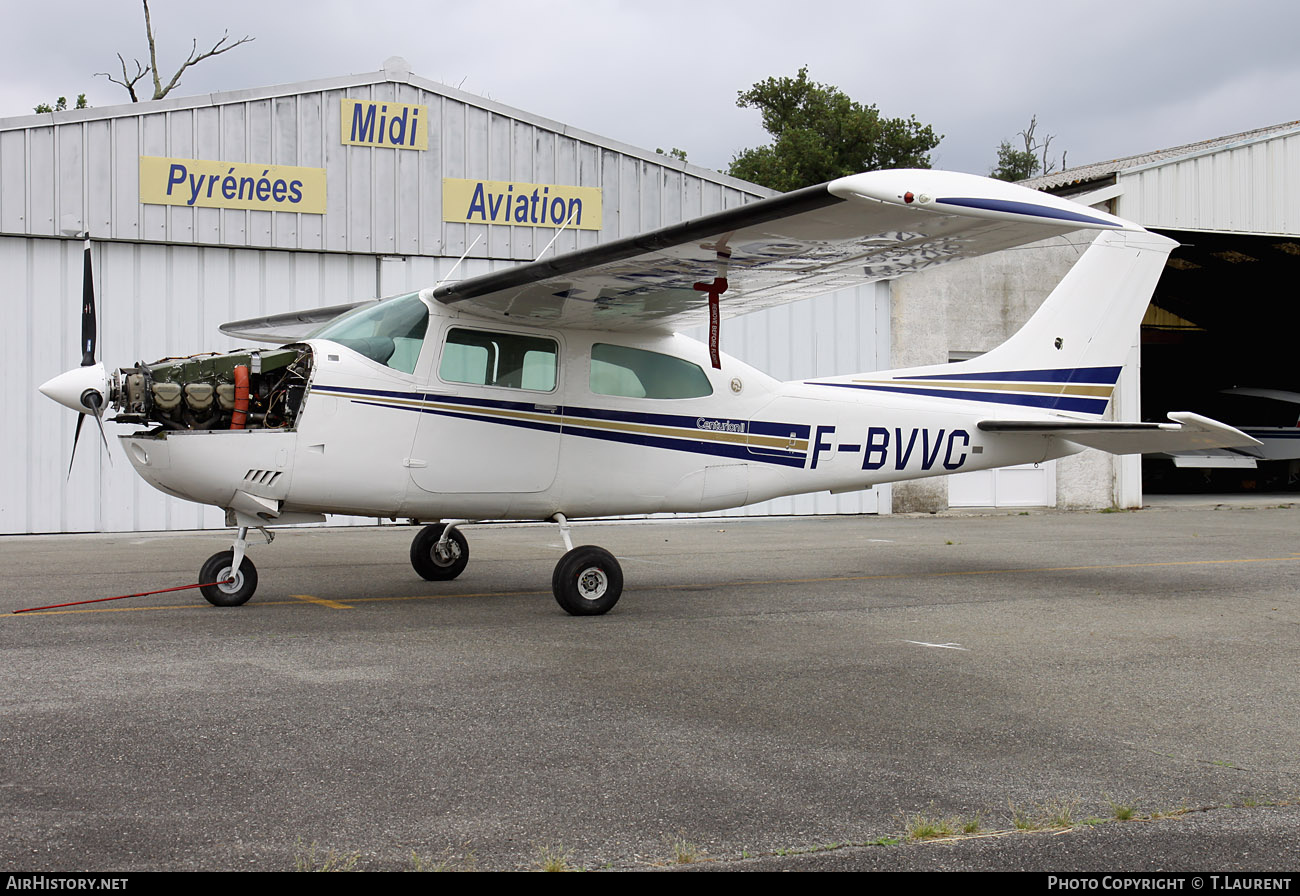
252	389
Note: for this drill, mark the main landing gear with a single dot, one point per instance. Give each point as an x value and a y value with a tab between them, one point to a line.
439	553
587	581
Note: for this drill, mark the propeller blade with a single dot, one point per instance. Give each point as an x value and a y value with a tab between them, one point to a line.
97	404
76	434
88	323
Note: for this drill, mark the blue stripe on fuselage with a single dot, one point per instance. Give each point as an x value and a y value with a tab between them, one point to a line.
574	421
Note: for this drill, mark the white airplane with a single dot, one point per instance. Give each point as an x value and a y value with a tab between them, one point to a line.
1276	442
558	389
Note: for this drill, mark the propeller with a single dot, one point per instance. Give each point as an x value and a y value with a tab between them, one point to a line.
84	389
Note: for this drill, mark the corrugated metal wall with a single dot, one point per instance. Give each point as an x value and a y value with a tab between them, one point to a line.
167	276
1251	188
84	173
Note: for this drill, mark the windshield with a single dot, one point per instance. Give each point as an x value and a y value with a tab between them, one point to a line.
390	331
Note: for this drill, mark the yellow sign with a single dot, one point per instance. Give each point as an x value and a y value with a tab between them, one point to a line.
518	204
380	123
209	184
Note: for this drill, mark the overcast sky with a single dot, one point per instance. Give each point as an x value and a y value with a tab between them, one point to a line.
1107	79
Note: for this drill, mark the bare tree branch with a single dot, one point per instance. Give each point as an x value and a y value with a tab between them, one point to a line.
217	50
153	53
1048	167
159	91
1034	148
127	81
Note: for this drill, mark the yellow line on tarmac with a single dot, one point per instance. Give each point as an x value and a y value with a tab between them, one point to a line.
332	604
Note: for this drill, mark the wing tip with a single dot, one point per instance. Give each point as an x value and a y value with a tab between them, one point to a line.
958	193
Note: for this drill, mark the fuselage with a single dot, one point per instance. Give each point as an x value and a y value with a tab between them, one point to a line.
480	420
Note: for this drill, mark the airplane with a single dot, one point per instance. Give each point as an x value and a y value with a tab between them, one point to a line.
1279	437
558	389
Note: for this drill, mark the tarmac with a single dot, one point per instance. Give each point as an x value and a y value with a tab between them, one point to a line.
1027	691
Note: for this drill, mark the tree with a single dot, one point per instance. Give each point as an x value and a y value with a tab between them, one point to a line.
819	133
1014	164
159	90
62	103
1020	164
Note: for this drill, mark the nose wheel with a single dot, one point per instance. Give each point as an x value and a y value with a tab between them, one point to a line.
229	578
230	590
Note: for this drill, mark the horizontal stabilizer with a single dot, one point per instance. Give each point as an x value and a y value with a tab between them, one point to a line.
1188	432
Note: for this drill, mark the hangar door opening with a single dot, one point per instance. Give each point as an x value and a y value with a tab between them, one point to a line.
1220	339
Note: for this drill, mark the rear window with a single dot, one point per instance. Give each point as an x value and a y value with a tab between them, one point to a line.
637	373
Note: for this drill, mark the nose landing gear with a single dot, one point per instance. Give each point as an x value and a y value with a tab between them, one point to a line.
229	578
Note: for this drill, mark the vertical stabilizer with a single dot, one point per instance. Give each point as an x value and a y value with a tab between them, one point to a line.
1069	354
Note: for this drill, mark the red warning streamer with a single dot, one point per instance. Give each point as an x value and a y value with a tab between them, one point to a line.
714	289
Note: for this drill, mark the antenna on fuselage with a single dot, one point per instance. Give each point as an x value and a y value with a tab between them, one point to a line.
426	294
566	223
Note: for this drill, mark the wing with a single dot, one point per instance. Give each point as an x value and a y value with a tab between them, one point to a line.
1188	432
291	326
873	226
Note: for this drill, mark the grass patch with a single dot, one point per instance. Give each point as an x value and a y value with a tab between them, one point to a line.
930	827
684	852
1020	819
1060	813
553	857
1122	811
925	827
311	859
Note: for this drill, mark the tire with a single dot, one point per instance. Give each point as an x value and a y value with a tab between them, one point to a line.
217	569
588	581
425	559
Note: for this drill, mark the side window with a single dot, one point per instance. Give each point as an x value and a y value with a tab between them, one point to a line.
509	360
636	373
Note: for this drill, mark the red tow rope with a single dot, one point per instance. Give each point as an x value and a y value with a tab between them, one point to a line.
100	600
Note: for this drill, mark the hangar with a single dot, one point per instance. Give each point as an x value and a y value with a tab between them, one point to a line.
245	203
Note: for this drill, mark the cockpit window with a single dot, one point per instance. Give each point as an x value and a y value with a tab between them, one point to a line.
390	332
636	373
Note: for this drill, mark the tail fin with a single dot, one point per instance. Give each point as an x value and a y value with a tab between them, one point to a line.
1068	355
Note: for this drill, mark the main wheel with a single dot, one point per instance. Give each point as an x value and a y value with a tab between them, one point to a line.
227	594
588	581
434	565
